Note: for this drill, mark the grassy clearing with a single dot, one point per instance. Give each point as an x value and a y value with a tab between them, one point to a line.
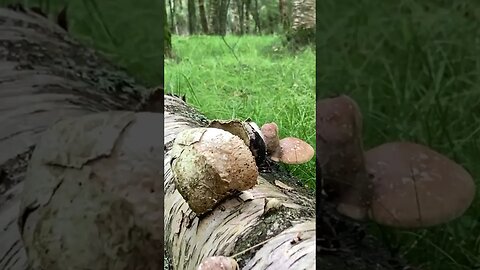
414	68
250	78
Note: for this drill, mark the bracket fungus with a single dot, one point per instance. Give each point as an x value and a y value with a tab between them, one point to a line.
288	150
340	155
249	132
416	187
210	164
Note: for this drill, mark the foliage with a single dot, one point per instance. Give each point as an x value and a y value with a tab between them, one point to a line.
300	38
414	68
261	84
268	13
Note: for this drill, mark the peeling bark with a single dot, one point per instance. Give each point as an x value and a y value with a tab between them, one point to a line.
93	195
45	76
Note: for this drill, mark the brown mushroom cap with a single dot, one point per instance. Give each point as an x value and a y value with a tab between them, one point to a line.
415	186
270	134
208	164
340	155
295	151
218	263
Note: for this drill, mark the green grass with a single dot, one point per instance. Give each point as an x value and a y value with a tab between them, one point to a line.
126	32
414	68
251	78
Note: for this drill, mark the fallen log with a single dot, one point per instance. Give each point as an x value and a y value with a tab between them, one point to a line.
288	238
243	226
46	76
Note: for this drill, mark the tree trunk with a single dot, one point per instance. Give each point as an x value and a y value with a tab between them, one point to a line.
212	11
218	16
283	14
241	16
256	18
236	29
181	23
203	16
192	17
303	14
167	37
171	5
247	15
46	77
303	26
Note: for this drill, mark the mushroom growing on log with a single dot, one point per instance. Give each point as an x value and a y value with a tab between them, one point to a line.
295	151
238	222
272	140
218	263
288	150
209	164
249	132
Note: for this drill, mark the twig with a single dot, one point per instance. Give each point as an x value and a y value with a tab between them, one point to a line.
231	49
264	242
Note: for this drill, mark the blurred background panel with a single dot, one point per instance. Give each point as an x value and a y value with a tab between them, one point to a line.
414	69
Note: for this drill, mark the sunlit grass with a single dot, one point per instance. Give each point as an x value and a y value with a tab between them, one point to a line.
251	77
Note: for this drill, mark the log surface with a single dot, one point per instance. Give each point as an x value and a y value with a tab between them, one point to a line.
45	76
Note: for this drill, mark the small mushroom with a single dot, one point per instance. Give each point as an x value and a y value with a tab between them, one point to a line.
295	151
415	186
272	140
219	263
340	155
210	164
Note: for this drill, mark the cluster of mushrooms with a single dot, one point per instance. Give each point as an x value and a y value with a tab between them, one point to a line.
397	184
212	163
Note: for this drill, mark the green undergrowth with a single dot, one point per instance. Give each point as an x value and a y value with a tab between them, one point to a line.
414	69
248	77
